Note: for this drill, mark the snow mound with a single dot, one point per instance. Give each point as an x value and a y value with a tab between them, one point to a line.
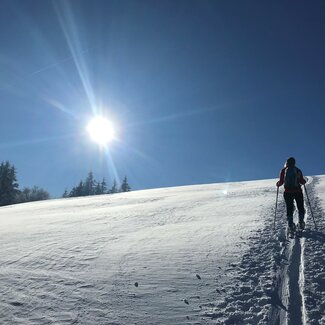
205	254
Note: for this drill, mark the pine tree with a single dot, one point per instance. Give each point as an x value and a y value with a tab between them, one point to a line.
90	184
91	187
80	190
103	186
8	184
73	192
125	187
98	189
114	188
77	190
65	194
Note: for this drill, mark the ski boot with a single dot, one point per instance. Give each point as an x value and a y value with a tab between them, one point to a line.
300	228
292	230
301	225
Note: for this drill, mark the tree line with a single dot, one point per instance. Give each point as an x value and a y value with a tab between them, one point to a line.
89	186
9	188
11	194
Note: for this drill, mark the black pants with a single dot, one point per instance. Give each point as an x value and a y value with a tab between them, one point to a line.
289	199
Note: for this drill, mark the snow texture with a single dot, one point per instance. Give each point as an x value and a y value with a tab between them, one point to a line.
205	254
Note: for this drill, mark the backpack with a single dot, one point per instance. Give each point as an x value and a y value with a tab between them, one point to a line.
291	179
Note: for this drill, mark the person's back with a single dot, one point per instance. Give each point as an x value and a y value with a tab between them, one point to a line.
291	176
292	179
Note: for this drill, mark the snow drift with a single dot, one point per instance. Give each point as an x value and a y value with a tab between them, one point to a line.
205	254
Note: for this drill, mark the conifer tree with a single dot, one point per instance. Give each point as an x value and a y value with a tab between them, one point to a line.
125	187
89	185
114	188
103	186
8	184
73	192
80	189
98	189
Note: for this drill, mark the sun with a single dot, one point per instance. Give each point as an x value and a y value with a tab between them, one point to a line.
101	130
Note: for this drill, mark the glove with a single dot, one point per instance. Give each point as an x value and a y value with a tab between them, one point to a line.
278	184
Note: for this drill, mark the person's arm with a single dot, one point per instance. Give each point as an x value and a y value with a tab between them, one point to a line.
281	180
302	180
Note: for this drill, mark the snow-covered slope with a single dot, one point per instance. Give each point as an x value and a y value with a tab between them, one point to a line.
205	254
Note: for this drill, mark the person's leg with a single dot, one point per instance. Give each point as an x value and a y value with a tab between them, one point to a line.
299	197
288	197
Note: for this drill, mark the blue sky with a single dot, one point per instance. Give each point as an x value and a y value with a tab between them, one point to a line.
200	91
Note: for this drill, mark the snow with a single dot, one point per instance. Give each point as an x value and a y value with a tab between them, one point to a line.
205	254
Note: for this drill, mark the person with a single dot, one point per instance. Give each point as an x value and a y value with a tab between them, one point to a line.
292	179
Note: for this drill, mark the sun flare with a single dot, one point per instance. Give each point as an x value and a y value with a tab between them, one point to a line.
101	130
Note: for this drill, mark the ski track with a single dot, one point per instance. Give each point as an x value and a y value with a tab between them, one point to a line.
299	279
279	279
314	258
250	298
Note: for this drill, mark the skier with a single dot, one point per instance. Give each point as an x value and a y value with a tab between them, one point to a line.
292	178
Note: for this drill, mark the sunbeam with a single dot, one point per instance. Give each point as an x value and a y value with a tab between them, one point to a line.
60	106
69	29
35	141
138	152
111	165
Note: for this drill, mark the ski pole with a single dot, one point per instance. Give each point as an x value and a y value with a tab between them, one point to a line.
311	211
276	205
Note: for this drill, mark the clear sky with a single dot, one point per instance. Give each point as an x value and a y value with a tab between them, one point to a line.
199	91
